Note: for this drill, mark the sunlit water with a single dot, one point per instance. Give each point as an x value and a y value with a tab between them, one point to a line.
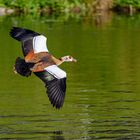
103	87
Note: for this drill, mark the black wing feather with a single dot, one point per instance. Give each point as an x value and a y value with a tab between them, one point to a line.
56	92
22	34
25	36
56	88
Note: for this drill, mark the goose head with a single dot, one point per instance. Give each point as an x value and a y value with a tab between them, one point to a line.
68	58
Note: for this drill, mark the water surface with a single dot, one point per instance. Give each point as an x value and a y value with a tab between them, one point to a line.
103	87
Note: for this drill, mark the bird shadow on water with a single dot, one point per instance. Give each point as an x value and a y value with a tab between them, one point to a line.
58	138
20	134
19	129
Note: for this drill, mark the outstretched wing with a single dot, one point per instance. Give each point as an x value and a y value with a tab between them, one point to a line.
56	91
56	86
31	41
22	34
25	36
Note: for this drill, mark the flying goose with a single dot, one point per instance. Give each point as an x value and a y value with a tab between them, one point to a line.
42	63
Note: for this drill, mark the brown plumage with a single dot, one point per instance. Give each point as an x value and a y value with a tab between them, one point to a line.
41	60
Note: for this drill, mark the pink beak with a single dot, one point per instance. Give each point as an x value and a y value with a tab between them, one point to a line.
74	60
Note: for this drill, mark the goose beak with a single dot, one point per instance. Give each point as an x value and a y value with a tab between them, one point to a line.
74	60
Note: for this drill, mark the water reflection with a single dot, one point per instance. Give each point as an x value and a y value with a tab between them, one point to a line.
103	18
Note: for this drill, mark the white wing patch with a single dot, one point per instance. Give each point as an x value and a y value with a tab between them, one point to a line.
39	44
56	71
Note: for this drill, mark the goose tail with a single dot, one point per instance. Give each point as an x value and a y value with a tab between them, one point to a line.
22	67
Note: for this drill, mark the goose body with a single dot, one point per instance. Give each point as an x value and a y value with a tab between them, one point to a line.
37	59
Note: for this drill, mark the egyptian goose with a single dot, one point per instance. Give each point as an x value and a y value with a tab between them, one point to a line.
42	63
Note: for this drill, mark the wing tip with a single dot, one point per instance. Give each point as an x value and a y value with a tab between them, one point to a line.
57	102
21	34
56	92
15	33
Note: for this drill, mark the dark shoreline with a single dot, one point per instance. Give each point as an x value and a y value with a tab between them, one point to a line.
117	9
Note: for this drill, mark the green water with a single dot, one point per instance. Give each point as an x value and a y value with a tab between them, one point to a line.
103	87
